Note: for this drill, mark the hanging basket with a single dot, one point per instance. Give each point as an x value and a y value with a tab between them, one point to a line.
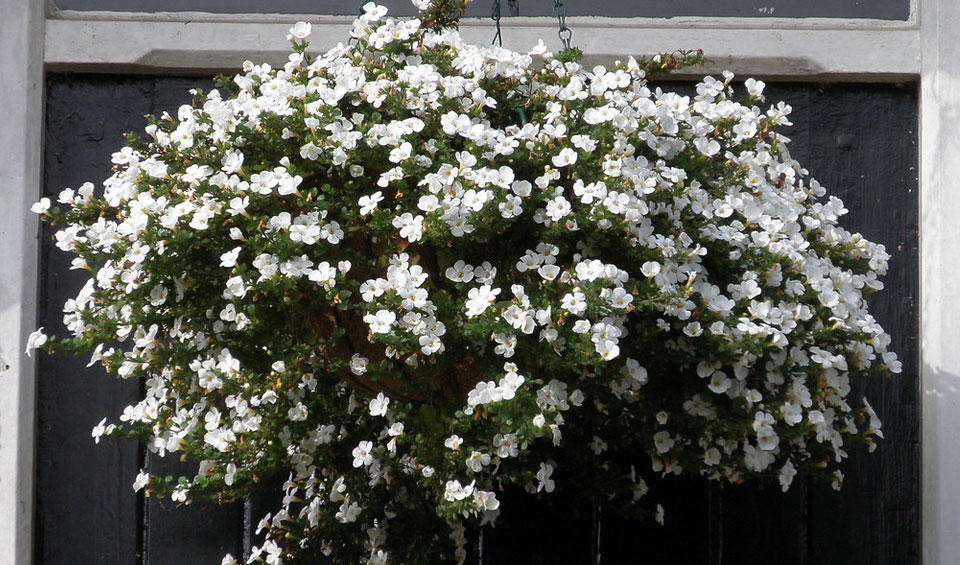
411	272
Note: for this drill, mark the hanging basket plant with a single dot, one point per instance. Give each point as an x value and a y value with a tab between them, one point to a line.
411	272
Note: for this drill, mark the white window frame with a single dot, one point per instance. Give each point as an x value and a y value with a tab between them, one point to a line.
35	39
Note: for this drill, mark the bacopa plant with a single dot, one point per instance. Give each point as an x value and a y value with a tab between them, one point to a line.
412	272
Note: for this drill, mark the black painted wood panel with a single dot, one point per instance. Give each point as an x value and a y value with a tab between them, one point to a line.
201	532
869	159
86	508
860	141
87	511
880	9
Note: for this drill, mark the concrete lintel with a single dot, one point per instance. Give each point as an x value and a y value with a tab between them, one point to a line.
874	54
677	22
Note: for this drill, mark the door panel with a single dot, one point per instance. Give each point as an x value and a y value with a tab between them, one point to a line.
859	140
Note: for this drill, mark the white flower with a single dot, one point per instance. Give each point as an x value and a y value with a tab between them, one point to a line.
754	87
430	344
401	153
453	442
545	483
235	288
708	147
455	491
837	480
35	340
362	456
378	405
369	203
619	298
325	275
767	438
381	321
650	269
589	270
575	303
479	299
477	461
486	501
310	151
460	272
348	512
557	208
566	157
229	259
893	364
238	205
507	445
100	429
142	480
358	364
300	30
663	442
410	226
875	423
635	371
232	161
719	383
786	475
428	203
548	272
298	413
41	207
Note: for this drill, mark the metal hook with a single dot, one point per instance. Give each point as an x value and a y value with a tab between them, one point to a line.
564	33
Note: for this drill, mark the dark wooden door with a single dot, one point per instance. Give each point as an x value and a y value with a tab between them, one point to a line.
859	140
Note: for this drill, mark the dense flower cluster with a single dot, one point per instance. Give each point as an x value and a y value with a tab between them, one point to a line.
412	271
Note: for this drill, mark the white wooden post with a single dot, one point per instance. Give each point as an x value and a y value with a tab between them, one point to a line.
940	279
21	134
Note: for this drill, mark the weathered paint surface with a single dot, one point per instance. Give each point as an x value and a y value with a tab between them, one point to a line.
860	141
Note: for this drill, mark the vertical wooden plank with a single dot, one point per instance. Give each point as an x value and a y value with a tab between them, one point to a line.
201	532
684	536
761	524
556	529
266	500
87	511
864	150
815	525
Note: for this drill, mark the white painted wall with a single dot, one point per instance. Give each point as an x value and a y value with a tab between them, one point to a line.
21	128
